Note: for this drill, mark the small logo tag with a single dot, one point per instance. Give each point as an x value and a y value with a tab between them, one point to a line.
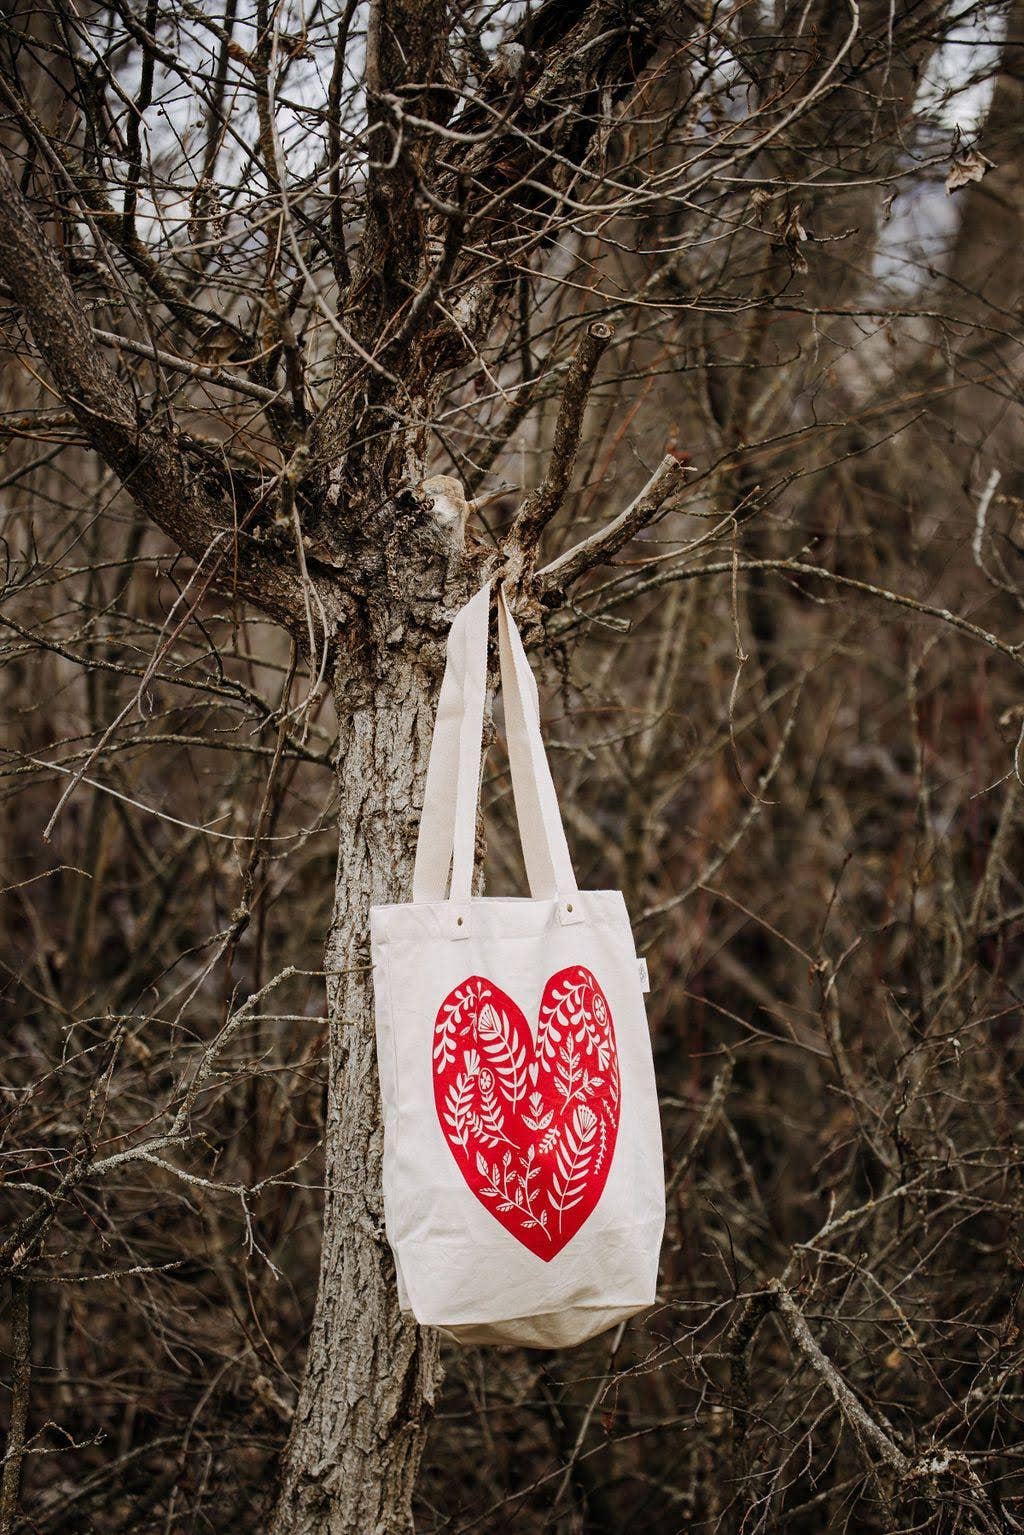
645	979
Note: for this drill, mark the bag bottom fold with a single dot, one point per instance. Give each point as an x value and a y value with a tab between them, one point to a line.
551	1329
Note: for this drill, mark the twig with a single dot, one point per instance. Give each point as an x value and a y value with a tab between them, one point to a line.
712	1109
712	867
190	369
801	568
981	516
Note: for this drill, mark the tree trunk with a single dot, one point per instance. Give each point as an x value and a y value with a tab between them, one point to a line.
357	1437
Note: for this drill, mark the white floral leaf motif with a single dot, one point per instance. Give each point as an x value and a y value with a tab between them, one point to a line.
457	1108
572	1161
497	1039
452	1019
538	1118
490	1121
444	1039
569	1071
602	1146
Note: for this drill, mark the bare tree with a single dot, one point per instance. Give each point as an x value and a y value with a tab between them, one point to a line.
359	306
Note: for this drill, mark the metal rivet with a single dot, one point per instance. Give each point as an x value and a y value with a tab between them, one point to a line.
569	907
458	920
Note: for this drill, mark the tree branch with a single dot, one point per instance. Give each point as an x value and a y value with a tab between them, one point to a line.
212	375
798	568
859	1419
144	454
600	546
21	1349
541	504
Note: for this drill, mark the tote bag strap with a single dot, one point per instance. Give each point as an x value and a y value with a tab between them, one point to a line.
454	753
447	835
545	849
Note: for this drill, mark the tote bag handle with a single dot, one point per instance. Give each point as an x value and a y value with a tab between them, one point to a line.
447	835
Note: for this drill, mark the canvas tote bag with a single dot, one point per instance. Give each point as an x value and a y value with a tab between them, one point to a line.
524	1189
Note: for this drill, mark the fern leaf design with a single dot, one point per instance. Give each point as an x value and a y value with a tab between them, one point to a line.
444	1039
572	1161
489	1123
452	1019
568	1072
549	1035
457	1106
497	1040
602	1146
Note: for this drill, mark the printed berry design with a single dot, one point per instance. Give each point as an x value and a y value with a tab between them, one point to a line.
531	1124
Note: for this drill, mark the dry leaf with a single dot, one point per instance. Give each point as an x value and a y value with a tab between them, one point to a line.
971	166
792	234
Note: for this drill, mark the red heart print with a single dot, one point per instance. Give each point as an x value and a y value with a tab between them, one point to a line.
531	1124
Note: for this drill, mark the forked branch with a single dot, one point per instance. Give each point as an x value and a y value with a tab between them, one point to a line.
600	546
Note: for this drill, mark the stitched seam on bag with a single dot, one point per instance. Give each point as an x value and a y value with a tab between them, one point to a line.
394	1053
494	900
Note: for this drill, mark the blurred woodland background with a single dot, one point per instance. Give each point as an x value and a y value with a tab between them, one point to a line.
786	717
